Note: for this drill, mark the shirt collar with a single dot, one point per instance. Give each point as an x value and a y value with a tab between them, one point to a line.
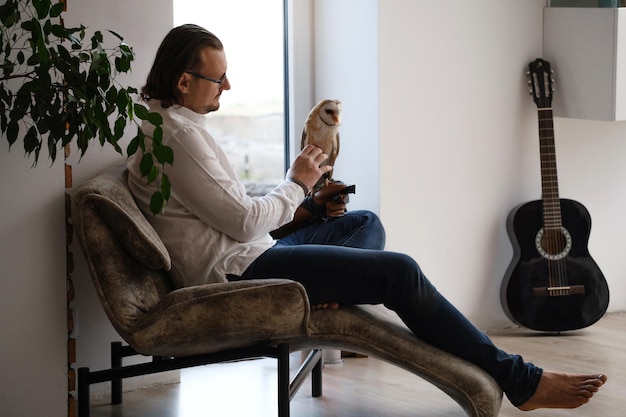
198	118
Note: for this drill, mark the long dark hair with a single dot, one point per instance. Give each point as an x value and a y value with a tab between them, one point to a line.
179	52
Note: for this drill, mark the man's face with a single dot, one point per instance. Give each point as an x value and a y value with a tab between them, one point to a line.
201	95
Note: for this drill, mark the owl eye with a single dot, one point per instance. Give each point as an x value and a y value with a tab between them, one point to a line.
329	112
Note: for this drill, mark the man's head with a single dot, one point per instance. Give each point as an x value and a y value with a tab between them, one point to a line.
189	69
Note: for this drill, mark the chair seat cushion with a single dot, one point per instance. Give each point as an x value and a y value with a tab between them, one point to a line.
213	317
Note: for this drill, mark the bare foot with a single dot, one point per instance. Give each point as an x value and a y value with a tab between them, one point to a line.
322	306
559	390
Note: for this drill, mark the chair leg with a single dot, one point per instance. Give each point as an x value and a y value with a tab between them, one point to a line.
283	380
316	379
83	392
116	362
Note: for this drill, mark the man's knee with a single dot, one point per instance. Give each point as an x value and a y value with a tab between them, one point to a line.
373	227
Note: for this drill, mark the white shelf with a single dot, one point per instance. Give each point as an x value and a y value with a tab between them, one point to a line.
586	48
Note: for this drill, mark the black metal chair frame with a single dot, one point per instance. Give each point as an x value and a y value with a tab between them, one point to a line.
287	387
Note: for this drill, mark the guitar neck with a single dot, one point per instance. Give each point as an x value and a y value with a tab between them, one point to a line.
549	179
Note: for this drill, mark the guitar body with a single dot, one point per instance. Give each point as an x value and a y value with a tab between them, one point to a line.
529	271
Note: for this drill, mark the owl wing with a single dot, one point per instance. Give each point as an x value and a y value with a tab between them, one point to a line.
304	140
335	150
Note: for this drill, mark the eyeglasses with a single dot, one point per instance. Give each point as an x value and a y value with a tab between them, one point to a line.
218	81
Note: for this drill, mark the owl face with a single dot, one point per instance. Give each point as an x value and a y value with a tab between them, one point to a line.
330	112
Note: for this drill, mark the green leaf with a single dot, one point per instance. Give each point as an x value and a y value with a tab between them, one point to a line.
140	111
31	141
58	31
146	164
111	95
52	147
55	11
120	124
122	101
156	203
64	54
163	154
137	142
132	147
169	155
12	131
116	35
9	14
155	118
42	7
8	68
157	136
122	63
96	40
154	174
166	186
28	25
158	152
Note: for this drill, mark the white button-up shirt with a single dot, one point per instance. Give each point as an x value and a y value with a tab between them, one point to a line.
210	226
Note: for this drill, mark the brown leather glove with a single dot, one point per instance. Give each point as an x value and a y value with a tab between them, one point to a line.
329	201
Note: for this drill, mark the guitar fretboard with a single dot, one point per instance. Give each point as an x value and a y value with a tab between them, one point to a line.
549	178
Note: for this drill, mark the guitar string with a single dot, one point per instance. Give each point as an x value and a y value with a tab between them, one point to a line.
554	239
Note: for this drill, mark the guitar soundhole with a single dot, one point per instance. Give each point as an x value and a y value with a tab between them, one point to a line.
553	244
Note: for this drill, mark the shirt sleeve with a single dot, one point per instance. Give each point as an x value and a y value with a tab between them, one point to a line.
205	183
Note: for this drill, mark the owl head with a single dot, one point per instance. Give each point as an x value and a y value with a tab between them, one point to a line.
329	111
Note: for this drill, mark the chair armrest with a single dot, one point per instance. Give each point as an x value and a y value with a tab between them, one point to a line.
212	317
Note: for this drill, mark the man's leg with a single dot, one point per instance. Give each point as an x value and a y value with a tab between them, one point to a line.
357	229
352	276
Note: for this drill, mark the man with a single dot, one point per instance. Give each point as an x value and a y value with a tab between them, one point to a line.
215	232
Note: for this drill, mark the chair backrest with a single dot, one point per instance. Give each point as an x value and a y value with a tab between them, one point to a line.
126	258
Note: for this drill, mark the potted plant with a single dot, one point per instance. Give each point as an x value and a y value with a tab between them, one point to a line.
57	87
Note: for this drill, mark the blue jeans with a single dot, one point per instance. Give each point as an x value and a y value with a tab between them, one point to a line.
341	260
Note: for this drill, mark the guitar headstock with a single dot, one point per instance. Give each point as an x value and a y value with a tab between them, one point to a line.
541	82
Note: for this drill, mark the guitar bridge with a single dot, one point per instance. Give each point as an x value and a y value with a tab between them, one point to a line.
558	291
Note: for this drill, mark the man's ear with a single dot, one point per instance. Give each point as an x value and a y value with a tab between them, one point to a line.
183	83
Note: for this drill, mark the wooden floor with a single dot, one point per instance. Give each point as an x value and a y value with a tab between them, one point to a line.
366	387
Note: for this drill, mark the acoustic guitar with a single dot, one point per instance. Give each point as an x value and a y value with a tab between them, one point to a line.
552	283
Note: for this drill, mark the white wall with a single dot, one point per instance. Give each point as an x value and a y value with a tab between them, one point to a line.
33	326
459	146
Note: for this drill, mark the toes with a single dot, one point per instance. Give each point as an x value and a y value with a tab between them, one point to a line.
586	392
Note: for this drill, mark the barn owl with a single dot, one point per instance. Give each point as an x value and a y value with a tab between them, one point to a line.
321	129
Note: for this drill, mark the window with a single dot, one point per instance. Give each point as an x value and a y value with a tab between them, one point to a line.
250	124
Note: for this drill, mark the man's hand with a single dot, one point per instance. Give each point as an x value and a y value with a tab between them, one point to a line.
333	197
329	201
306	167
